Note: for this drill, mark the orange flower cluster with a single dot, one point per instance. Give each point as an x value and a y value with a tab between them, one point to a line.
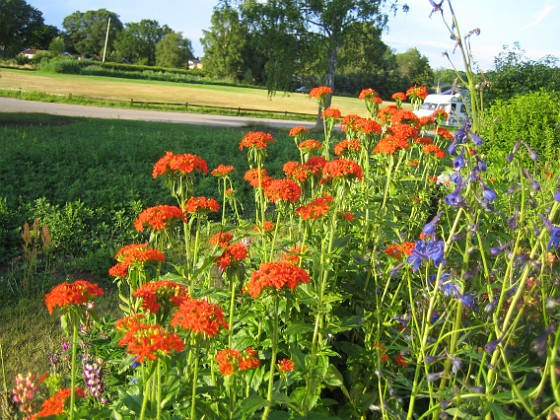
199	316
286	365
440	115
347	145
221	239
404	116
434	150
185	164
390	144
252	176
367	94
418	92
131	254
277	275
230	360
382	352
148	341
282	189
256	139
367	126
296	171
298	130
232	254
157	217
54	405
77	293
201	205
404	131
398	96
424	140
444	132
309	145
154	294
331	113
320	92
293	255
385	114
222	170
398	251
341	168
317	208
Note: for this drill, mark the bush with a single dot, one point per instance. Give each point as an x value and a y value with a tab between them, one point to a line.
61	65
9	238
532	118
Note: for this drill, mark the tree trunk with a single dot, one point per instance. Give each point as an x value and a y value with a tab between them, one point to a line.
330	72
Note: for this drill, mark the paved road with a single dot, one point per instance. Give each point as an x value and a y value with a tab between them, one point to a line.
18	105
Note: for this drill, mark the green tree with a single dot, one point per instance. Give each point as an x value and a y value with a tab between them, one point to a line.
20	27
173	51
57	46
415	68
86	32
136	43
295	20
224	44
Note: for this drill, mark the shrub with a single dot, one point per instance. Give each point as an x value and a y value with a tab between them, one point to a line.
9	239
61	65
532	118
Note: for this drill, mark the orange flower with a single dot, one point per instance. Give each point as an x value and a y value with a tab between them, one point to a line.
417	92
296	171
54	405
185	164
426	122
444	132
277	275
154	294
221	239
434	150
309	145
401	360
230	361
341	168
331	113
157	217
286	365
222	170
149	341
398	251
347	146
252	177
293	255
320	92
404	131
424	140
282	189
440	115
317	208
298	130
382	351
398	96
232	254
256	139
389	145
404	116
367	126
77	293
201	205
199	316
267	226
348	216
385	114
316	164
367	93
133	254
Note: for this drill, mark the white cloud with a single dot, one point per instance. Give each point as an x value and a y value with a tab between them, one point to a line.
541	15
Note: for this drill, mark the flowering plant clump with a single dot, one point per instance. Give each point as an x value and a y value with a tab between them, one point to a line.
410	276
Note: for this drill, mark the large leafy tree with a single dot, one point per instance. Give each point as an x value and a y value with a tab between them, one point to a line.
136	43
22	26
415	67
295	20
173	51
224	44
86	32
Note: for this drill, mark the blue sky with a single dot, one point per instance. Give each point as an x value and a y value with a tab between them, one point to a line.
531	23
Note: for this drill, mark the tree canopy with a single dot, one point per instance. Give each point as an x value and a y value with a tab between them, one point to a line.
173	51
136	43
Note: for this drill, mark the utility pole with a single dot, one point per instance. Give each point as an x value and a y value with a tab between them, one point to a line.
106	39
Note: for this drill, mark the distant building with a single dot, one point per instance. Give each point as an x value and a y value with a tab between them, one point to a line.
195	63
32	52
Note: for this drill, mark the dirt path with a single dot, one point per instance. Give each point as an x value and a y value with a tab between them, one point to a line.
18	105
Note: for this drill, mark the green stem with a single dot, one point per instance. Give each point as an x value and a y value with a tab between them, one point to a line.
268	407
158	395
194	383
73	367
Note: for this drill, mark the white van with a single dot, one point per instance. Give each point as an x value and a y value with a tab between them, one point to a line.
453	104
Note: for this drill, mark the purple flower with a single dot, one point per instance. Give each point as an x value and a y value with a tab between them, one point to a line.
425	251
436	7
535	186
430	227
557	196
93	377
491	346
455	199
489	194
432	377
554	240
459	161
532	154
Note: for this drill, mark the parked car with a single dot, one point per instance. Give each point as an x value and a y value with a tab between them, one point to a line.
453	104
303	89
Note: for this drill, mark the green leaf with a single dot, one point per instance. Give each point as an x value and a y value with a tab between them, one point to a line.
249	406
